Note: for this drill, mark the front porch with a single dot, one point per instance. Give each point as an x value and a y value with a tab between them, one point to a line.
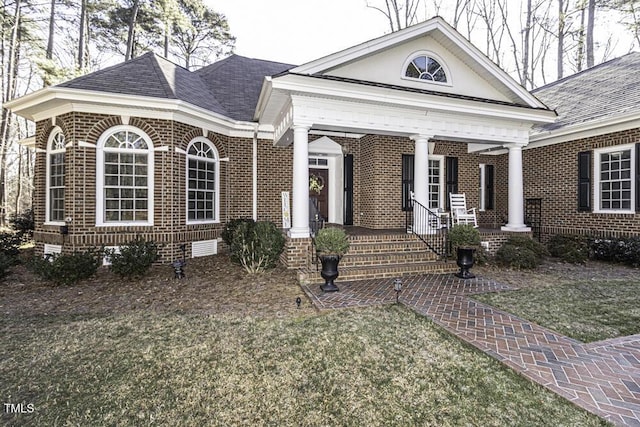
381	253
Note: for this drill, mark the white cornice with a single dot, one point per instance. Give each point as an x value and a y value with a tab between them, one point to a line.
585	130
54	101
379	95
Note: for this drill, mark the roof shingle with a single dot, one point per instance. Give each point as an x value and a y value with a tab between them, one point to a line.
607	90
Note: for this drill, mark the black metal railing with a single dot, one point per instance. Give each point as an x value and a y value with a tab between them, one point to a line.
428	226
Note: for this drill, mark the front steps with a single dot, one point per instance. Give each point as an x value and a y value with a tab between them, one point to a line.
382	256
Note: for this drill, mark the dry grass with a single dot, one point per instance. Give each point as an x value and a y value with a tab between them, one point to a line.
591	302
237	351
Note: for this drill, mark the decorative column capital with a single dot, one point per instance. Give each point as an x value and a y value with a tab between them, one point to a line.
515	145
421	137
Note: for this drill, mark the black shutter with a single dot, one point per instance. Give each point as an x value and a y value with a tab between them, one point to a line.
584	181
348	189
488	187
451	171
407	180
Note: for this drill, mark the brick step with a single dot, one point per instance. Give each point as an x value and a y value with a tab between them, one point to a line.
311	276
383	238
391	246
386	258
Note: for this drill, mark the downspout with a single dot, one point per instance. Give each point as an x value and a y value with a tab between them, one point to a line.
255	173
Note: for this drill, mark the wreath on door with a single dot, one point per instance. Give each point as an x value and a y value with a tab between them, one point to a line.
316	183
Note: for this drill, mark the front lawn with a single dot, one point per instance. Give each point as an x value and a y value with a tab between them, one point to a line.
585	309
375	366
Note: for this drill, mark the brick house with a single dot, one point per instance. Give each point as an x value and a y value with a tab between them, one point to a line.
147	148
585	167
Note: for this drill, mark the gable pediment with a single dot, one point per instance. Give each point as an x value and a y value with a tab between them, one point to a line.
383	60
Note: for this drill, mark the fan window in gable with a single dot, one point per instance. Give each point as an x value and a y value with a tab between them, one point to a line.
424	67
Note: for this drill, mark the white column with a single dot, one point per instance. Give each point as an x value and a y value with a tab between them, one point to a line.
516	190
421	180
300	208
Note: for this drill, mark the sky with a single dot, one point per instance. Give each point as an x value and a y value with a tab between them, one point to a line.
299	31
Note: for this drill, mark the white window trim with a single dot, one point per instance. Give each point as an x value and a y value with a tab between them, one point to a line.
216	205
441	190
433	55
100	222
49	151
596	179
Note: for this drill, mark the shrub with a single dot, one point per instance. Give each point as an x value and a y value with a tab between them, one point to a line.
230	229
23	223
10	245
5	263
521	252
622	250
462	235
67	269
569	248
331	241
133	259
466	235
256	245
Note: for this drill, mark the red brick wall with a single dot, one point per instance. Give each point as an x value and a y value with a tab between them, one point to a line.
551	173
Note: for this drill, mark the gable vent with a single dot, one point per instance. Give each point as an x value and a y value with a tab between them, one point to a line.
204	248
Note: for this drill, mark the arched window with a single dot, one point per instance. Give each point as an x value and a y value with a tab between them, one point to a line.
425	67
55	177
124	181
202	181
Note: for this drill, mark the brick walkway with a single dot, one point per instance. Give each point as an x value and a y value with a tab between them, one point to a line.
601	377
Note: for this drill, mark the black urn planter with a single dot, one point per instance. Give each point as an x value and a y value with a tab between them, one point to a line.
465	261
329	272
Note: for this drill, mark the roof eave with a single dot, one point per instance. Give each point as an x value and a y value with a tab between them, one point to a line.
363	93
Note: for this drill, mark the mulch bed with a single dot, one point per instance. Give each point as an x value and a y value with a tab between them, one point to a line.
212	285
216	286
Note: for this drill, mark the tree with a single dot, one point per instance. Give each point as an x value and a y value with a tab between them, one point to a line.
590	28
206	34
400	15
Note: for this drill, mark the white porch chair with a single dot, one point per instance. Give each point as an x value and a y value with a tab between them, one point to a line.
459	212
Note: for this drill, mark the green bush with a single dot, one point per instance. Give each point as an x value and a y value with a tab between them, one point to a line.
10	245
133	259
616	249
464	235
521	252
569	248
331	241
67	269
256	245
230	229
5	263
23	223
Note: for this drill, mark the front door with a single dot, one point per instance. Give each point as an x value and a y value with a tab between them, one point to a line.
319	190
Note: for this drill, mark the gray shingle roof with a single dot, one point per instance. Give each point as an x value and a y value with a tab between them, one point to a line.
606	90
237	81
230	87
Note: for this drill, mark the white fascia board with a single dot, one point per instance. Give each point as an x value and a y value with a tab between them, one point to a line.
65	100
585	130
344	56
263	99
431	103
